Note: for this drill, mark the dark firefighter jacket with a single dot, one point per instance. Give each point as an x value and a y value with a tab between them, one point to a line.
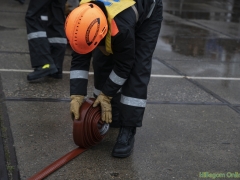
123	49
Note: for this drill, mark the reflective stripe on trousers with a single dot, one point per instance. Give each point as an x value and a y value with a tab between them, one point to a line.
75	74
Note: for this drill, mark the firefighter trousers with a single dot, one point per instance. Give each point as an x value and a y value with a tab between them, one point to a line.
133	94
47	41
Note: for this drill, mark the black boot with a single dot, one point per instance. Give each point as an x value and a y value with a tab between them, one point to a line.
41	72
57	75
125	142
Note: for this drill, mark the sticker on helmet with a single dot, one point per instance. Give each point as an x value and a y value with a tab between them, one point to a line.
87	38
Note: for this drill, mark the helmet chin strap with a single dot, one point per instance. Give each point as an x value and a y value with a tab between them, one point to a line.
103	49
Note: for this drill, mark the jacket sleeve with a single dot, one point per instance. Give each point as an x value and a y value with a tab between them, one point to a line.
123	47
79	73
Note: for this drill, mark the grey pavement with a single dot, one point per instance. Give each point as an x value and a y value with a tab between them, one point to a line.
191	126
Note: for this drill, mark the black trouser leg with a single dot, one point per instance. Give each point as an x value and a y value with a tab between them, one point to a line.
56	33
39	47
134	91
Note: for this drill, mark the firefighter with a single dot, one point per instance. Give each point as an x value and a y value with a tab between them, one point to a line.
46	38
121	37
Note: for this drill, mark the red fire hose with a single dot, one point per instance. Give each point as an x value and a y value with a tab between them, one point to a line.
87	132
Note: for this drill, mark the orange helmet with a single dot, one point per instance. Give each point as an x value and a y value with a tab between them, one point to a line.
85	27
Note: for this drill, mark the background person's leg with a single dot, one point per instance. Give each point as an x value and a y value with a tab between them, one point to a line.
36	19
40	53
56	34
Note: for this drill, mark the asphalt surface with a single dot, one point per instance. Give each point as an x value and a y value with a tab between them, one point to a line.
191	127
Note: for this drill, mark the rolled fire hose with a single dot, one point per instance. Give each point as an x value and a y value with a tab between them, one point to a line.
88	131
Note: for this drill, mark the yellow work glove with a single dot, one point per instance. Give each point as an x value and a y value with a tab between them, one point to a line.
75	104
106	107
